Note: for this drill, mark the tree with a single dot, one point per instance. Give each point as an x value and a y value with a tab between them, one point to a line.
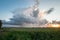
0	24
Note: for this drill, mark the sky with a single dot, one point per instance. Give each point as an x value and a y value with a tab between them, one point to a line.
7	6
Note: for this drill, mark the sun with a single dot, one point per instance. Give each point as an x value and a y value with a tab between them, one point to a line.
54	25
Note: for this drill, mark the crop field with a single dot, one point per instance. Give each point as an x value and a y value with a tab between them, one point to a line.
30	34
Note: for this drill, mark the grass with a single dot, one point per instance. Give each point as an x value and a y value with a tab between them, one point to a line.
30	34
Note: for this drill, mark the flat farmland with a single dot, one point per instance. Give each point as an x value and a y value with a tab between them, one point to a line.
30	34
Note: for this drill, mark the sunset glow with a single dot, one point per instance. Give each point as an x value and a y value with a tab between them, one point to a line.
54	25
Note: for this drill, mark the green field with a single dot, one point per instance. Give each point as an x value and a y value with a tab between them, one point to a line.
30	34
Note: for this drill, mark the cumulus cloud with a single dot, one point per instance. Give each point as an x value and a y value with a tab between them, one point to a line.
28	17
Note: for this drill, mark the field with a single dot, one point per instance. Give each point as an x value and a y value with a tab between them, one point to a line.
30	34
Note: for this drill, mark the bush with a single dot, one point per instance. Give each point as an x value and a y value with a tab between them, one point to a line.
0	24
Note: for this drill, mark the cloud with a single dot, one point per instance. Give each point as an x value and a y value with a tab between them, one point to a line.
50	10
26	16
